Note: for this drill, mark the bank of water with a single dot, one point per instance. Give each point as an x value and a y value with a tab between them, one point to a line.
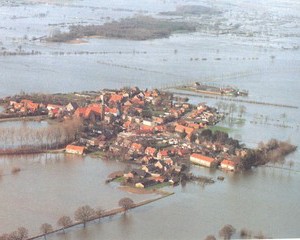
52	185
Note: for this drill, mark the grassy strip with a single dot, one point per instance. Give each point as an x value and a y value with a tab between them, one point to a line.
157	186
222	129
98	154
119	179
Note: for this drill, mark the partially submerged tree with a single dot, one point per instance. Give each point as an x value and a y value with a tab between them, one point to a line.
99	213
4	236
245	233
15	170
20	234
126	203
64	222
227	231
46	228
84	213
210	237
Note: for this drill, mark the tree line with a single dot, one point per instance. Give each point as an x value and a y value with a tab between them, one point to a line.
52	136
227	231
82	215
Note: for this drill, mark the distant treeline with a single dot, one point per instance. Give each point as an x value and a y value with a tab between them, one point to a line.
191	10
137	28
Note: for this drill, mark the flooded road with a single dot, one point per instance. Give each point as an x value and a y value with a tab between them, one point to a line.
266	64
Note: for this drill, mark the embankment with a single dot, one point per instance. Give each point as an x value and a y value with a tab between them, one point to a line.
105	214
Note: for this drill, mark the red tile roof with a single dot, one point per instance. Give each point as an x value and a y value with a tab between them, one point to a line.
228	162
136	146
75	148
202	157
116	98
150	151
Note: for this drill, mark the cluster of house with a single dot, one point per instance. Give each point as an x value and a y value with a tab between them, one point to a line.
147	127
212	162
29	107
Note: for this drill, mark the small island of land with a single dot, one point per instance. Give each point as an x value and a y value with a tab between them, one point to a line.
135	28
160	134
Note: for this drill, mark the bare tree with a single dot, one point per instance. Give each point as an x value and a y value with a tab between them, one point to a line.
126	203
15	170
4	236
46	228
84	213
23	233
260	235
20	234
290	163
64	222
242	110
99	213
245	233
227	231
210	237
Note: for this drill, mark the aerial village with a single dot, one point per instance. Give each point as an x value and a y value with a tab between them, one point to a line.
159	133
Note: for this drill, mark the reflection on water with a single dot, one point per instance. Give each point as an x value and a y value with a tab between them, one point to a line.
17	133
51	185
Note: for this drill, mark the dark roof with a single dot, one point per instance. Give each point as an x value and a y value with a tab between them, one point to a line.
139	172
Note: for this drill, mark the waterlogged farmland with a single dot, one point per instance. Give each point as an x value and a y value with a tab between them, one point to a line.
253	45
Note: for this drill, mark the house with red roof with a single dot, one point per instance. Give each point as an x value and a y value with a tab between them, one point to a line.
54	106
150	151
136	147
80	112
201	160
162	154
75	149
228	165
180	128
116	98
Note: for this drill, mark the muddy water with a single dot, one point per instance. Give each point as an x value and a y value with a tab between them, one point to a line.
49	186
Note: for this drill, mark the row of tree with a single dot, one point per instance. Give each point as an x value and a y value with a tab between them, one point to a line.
48	137
227	231
82	215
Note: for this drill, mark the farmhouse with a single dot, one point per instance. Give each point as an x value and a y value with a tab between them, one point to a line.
75	149
228	165
201	160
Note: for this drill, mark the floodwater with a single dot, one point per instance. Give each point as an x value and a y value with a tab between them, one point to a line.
48	186
16	133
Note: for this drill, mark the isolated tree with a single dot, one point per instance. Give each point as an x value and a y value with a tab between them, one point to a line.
290	163
244	233
227	231
23	233
126	203
46	228
232	109
210	237
242	110
219	105
83	214
64	222
99	213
